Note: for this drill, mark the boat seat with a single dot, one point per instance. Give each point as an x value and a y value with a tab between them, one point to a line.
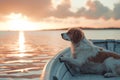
112	45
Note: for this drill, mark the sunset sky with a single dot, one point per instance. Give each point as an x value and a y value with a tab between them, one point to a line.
55	14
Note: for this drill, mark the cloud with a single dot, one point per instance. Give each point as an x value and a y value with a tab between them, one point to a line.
116	11
63	10
95	10
39	9
32	8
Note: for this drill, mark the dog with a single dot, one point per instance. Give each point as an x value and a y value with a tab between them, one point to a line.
88	57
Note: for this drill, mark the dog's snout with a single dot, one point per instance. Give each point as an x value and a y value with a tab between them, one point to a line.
65	36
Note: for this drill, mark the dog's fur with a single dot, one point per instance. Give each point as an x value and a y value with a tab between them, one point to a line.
90	58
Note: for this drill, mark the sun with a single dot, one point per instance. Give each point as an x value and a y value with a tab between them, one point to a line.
17	21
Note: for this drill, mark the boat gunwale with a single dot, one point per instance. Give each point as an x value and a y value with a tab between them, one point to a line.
50	64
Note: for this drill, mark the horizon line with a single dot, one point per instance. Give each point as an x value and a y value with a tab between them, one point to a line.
65	29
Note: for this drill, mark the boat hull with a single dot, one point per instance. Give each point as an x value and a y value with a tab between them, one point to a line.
56	70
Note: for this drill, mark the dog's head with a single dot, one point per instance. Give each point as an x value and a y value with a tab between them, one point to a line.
74	35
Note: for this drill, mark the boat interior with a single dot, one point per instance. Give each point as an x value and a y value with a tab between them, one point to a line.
56	70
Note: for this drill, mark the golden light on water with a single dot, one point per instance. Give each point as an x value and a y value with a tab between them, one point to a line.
21	41
21	44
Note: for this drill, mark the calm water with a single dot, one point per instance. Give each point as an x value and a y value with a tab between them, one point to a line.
24	54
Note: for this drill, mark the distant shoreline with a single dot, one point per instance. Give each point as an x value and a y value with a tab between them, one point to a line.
81	28
68	28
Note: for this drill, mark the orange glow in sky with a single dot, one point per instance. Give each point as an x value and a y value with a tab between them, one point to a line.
27	15
20	22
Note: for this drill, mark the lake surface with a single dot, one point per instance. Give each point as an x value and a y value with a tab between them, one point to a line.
24	54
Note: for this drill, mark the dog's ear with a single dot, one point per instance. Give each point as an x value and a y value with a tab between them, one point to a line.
77	35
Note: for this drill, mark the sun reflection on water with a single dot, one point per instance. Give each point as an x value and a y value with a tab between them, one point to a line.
21	44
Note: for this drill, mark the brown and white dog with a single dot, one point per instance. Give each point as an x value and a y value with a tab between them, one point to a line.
90	58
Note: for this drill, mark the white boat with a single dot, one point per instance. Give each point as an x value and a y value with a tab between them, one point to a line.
56	70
